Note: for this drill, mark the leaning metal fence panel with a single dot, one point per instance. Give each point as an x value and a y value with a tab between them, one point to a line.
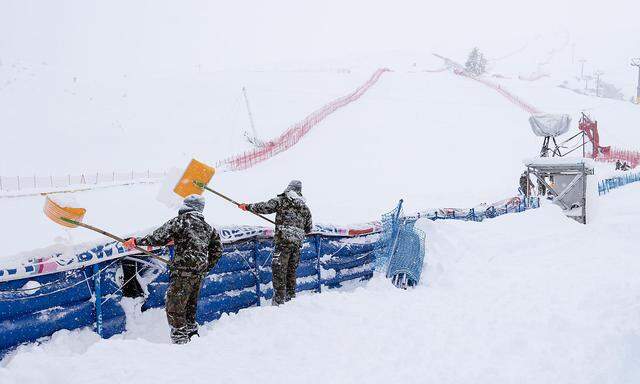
409	256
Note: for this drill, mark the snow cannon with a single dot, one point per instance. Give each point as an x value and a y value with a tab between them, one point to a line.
549	125
62	214
195	177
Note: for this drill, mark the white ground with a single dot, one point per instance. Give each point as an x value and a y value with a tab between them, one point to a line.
526	298
529	298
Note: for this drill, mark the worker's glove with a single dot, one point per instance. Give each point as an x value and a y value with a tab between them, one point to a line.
129	244
243	206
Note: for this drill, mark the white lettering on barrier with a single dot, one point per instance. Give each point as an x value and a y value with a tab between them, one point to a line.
113	250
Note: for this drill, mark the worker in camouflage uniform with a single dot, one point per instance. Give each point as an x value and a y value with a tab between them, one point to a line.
197	250
525	184
293	222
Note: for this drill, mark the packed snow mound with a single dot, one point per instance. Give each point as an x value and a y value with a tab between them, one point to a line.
528	298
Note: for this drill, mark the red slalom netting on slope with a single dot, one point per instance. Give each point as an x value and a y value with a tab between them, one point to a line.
603	154
511	97
292	135
631	157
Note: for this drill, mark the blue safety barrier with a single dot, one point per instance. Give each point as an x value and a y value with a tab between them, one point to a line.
390	226
606	185
404	251
405	267
34	308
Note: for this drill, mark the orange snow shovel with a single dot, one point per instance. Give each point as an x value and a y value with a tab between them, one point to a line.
72	218
194	180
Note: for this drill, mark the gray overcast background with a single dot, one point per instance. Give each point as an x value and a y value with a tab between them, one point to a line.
167	36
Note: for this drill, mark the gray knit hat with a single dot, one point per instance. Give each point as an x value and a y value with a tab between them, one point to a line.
192	203
294	185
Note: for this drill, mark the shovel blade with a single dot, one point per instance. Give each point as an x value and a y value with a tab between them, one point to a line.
58	213
196	171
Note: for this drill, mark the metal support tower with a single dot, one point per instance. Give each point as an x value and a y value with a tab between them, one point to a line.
636	63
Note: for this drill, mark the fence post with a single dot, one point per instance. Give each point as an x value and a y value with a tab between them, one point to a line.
318	264
256	266
98	298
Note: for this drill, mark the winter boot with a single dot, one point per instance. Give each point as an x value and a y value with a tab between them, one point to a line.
192	330
180	335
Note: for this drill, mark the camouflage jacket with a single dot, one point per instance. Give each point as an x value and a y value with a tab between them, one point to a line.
293	217
523	183
197	245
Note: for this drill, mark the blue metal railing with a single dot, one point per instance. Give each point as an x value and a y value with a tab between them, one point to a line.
606	185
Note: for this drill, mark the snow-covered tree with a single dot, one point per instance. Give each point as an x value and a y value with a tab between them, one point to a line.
476	63
610	91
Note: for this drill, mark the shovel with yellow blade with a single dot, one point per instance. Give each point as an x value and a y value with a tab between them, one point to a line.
194	180
72	218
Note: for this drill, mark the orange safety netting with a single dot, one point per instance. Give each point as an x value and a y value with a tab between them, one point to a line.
292	135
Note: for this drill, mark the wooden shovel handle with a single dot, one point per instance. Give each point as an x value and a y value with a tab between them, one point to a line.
114	237
203	186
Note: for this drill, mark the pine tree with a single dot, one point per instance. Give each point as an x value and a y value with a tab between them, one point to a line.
476	63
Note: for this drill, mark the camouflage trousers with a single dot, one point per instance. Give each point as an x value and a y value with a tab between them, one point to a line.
182	304
286	257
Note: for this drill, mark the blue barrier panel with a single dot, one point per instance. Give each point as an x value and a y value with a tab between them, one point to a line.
363	272
68	299
234	261
349	262
63	289
211	307
33	326
605	186
409	256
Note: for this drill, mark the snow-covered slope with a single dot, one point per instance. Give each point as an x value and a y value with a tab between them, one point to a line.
432	139
525	298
